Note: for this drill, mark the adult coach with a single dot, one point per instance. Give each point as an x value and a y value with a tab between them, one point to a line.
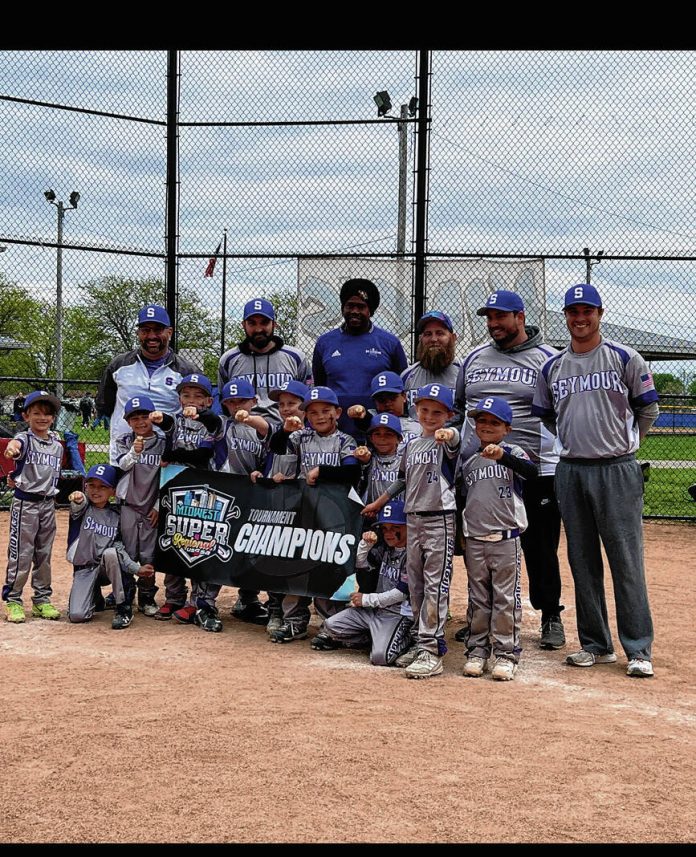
600	398
152	368
507	368
262	358
435	363
347	358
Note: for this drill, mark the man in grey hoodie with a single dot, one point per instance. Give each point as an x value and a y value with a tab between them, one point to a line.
508	368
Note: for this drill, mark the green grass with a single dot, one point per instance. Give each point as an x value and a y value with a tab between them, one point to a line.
666	492
671	447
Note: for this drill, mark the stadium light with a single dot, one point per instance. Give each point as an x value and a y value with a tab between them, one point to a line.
62	208
383	102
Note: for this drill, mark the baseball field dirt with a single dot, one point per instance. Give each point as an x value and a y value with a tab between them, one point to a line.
165	733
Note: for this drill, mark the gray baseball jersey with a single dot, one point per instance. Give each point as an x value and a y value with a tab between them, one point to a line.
428	468
378	475
313	450
139	485
415	376
264	372
239	448
511	375
597	400
190	434
37	469
493	495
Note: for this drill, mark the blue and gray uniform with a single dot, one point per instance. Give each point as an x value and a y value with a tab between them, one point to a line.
378	475
33	517
138	491
416	376
493	518
511	374
601	402
384	621
334	456
410	428
427	469
128	375
99	557
264	371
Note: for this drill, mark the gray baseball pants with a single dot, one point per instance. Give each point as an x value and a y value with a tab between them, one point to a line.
296	609
32	531
87	578
140	541
601	503
429	565
387	633
494	612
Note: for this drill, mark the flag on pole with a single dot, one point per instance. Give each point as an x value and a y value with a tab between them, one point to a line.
211	262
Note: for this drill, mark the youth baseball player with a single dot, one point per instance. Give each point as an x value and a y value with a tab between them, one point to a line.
493	519
599	396
38	454
388	394
381	619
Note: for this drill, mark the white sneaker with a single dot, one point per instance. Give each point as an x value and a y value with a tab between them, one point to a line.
588	659
474	666
504	669
639	668
426	664
149	609
408	657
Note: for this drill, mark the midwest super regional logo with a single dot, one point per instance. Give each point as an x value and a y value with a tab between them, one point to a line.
197	523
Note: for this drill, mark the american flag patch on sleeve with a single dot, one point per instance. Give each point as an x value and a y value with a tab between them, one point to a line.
646	381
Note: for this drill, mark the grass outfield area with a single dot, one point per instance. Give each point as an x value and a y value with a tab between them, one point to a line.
668	447
666	492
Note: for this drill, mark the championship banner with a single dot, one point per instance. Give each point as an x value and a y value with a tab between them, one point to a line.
288	537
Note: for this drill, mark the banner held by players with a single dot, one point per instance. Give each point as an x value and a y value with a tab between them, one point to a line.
288	537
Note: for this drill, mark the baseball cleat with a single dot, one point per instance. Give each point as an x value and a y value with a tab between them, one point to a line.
504	669
425	665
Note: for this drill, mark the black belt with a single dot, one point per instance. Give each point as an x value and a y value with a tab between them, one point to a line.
32	498
497	536
434	514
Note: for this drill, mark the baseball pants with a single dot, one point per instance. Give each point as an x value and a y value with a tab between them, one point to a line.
87	578
296	609
494	612
140	541
388	634
429	566
540	545
32	531
601	503
175	590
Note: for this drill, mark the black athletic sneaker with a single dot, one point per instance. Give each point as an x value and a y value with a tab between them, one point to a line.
461	634
208	619
552	633
110	602
123	617
323	643
252	611
288	632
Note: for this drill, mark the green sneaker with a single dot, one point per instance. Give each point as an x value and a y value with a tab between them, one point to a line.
45	611
15	612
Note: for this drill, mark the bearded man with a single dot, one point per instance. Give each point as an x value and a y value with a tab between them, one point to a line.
435	363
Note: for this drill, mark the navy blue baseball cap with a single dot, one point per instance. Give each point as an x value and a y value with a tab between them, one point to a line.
104	473
319	394
259	306
295	388
436	393
42	396
391	513
238	388
390	421
583	293
154	313
503	301
435	315
195	380
138	404
386	382
493	405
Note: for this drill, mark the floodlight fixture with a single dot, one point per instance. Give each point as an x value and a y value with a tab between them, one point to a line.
412	106
74	197
50	195
383	102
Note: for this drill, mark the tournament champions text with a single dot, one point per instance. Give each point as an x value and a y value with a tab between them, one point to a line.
289	537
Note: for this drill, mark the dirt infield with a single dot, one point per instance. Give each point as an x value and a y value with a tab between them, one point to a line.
165	733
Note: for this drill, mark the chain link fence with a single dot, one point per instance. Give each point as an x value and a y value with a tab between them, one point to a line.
531	170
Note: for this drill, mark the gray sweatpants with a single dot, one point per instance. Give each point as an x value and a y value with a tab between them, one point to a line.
494	613
87	579
601	503
387	633
32	531
429	566
140	540
296	609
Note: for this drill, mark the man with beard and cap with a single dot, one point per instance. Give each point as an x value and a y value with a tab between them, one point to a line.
263	359
508	368
347	358
435	363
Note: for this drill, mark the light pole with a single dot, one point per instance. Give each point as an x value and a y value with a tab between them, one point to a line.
589	264
62	208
